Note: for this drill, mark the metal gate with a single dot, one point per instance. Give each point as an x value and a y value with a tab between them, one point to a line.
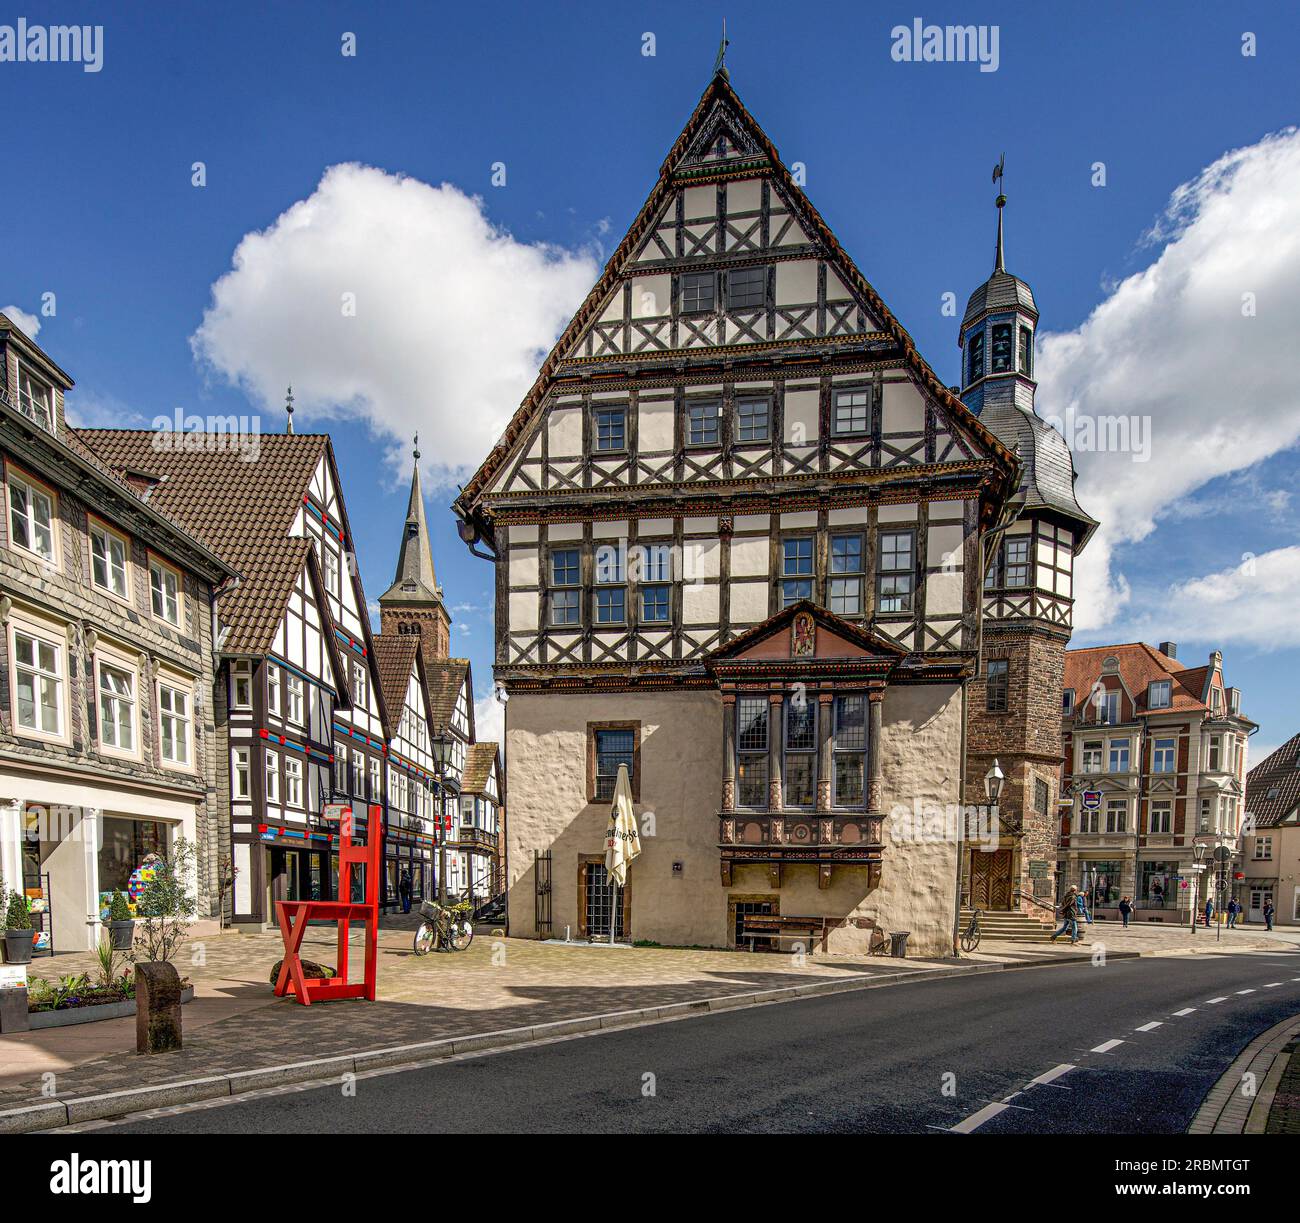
542	892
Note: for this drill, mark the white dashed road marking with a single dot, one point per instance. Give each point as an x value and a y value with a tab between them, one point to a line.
1049	1076
1212	1001
975	1120
1150	1027
1245	991
1273	984
1106	1046
1187	1010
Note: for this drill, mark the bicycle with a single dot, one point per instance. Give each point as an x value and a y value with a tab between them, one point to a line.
442	929
970	937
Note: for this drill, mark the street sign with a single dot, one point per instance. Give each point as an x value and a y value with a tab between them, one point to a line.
1222	853
13	976
335	811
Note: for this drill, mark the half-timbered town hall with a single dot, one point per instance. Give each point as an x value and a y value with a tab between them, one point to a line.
737	524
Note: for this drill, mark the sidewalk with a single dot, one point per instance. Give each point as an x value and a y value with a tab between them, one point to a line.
1147	938
235	1024
1268	1101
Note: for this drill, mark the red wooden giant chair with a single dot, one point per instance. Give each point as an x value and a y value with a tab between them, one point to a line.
295	914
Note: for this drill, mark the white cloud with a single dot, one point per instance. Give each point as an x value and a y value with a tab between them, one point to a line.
1220	387
1253	603
29	324
490	720
452	314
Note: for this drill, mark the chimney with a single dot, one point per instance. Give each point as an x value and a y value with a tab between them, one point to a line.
1169	649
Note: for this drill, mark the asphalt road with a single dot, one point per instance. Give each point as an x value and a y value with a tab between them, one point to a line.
914	1058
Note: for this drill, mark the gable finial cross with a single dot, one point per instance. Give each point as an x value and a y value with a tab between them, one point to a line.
720	63
417	448
288	408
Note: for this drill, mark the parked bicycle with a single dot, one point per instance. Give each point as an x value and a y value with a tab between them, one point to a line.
970	937
443	929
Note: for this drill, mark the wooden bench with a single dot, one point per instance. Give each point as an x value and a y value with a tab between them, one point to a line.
770	925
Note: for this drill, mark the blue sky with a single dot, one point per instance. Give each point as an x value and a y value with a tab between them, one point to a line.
102	213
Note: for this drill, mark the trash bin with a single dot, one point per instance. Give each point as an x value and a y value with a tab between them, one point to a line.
898	944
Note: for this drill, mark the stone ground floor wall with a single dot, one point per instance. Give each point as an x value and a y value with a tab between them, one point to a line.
675	891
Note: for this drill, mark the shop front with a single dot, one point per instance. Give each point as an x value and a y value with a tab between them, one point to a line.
1101	880
1164	891
73	846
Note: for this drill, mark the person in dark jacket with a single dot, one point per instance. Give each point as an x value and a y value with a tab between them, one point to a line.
1125	911
1209	912
1069	915
1268	915
404	891
1233	909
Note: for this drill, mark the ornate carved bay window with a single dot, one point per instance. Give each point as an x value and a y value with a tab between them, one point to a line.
801	702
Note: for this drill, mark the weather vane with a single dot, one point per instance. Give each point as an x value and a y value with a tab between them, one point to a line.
720	64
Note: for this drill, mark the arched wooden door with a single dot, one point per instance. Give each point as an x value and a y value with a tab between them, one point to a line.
990	879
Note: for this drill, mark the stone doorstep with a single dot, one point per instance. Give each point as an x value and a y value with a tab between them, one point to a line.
56	1113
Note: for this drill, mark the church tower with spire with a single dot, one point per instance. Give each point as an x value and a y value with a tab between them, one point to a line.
413	604
1015	698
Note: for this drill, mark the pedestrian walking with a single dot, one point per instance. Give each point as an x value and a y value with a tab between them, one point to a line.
1209	912
1069	915
1268	915
1125	911
404	890
1081	902
1233	909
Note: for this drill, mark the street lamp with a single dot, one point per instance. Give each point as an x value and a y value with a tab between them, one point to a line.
993	780
1198	865
441	750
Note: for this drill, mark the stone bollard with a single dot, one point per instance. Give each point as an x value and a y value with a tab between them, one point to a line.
157	1007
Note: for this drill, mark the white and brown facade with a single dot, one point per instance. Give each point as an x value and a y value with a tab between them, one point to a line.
1154	764
107	743
737	527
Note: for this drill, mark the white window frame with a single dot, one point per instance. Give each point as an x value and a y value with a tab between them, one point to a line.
185	689
1263	849
295	701
271	769
1114	807
273	686
241	774
1092	759
241	676
160	568
1158	754
1160	817
120	663
293	778
1111	747
330	570
27	375
359	683
97	527
32	488
46	634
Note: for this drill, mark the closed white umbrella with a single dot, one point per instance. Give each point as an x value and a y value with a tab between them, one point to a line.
622	840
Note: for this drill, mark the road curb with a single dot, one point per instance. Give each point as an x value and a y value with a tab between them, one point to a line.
1225	1109
56	1113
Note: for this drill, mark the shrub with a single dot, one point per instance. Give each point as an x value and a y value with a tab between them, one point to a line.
166	905
118	910
18	917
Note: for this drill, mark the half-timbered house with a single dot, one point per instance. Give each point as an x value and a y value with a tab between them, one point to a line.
737	527
451	711
409	830
299	708
476	838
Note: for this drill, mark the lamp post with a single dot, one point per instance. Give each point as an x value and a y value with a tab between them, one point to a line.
1198	853
993	780
441	746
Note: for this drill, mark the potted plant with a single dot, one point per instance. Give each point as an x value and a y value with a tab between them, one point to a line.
121	926
166	905
18	930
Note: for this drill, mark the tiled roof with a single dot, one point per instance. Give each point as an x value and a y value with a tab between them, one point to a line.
478	767
243	510
395	655
1273	785
1139	664
445	681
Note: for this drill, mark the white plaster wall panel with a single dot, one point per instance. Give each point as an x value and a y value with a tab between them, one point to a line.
801	408
523	610
651	296
565	425
836	289
752	522
523	566
563	531
613	307
795	522
852	515
796	282
897	513
523	534
944	545
903	408
701	526
943	594
655	526
750	557
701	604
700	202
701	558
655	425
943	511
748	602
745	195
616	528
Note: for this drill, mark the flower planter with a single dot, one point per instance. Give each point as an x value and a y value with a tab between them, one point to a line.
91	1014
121	934
18	946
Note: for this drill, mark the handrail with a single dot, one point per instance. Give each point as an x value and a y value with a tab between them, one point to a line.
1042	904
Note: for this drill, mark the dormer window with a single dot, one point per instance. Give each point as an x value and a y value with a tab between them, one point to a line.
1001	348
1159	694
975	357
1067	702
35	398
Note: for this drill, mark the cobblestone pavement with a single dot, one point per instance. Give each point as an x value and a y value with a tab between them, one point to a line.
1284	1115
497	983
1148	938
